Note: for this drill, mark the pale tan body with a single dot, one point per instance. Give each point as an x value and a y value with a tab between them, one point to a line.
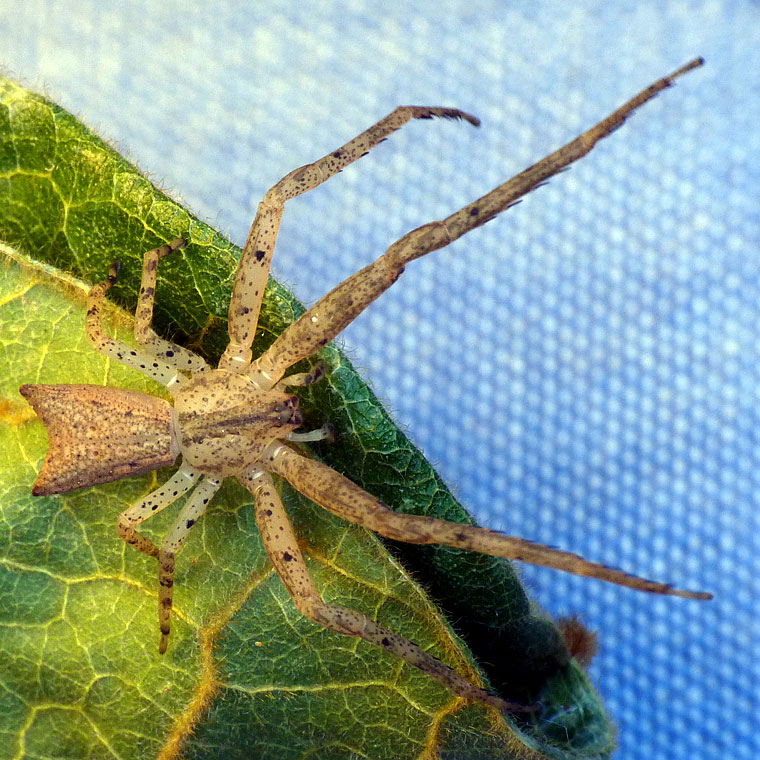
239	421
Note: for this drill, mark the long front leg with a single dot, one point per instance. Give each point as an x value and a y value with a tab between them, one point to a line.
282	548
339	495
343	304
253	269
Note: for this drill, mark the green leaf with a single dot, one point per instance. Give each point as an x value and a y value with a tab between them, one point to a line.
244	672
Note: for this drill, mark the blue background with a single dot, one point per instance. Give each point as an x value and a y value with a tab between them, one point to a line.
583	371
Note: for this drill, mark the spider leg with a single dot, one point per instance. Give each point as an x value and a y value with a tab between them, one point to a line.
178	485
143	361
342	497
253	269
286	557
166	350
343	304
194	508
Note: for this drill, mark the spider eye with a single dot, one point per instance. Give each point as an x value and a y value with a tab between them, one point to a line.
288	412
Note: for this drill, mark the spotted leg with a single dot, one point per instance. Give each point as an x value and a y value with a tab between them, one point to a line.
339	495
165	350
282	547
343	304
253	269
174	488
194	508
164	370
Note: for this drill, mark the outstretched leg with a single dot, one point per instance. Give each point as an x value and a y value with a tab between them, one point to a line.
342	497
253	269
282	547
343	304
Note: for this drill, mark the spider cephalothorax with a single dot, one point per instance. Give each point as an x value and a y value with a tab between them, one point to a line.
239	420
224	421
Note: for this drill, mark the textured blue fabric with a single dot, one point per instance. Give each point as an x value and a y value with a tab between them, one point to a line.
584	371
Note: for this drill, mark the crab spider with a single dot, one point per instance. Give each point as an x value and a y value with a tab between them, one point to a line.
239	420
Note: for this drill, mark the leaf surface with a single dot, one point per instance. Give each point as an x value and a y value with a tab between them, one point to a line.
245	674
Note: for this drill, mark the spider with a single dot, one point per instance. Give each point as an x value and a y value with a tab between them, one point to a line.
240	420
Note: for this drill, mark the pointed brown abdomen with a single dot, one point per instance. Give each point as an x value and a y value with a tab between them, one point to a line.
99	434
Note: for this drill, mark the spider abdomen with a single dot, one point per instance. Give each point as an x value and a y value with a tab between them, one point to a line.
99	434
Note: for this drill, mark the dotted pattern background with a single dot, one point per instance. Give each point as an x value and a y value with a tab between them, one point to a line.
584	370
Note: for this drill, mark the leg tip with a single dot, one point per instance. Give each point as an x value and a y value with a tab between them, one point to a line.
175	244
